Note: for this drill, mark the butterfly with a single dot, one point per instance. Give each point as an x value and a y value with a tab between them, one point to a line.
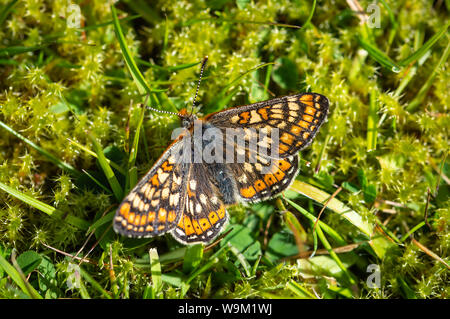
187	196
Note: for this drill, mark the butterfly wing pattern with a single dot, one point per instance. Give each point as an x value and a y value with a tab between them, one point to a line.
189	199
204	215
265	178
297	118
152	207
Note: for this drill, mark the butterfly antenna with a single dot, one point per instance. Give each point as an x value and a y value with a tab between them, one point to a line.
195	97
162	111
198	84
156	110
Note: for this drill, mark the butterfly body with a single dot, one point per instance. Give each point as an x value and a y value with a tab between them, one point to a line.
224	158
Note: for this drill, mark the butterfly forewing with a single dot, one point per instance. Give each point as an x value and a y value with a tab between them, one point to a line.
297	119
152	207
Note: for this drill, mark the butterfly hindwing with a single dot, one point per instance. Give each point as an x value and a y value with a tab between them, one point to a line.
263	177
204	214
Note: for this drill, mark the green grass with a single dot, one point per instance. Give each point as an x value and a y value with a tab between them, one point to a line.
75	138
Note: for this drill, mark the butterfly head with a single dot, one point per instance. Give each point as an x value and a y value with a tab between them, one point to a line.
187	119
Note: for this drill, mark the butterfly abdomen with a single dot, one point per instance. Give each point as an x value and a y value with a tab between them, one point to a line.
224	182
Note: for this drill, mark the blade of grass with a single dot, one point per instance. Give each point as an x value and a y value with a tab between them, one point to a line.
424	48
131	180
67	167
131	177
164	100
212	261
388	233
94	283
405	289
172	279
15	50
424	89
6	10
8	62
333	255
107	170
406	79
255	265
296	228
330	231
345	292
18	279
102	221
372	121
171	256
132	67
325	242
321	154
315	241
192	257
299	290
146	148
83	291
147	12
334	204
166	36
135	145
394	24
241	258
311	14
45	208
87	150
411	71
156	270
379	56
412	231
97	182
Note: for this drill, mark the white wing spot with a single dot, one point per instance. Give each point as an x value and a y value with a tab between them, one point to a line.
243	178
203	199
248	167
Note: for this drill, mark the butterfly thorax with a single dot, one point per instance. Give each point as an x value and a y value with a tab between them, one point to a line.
204	136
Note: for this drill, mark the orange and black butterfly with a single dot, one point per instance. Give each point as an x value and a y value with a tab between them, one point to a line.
188	197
